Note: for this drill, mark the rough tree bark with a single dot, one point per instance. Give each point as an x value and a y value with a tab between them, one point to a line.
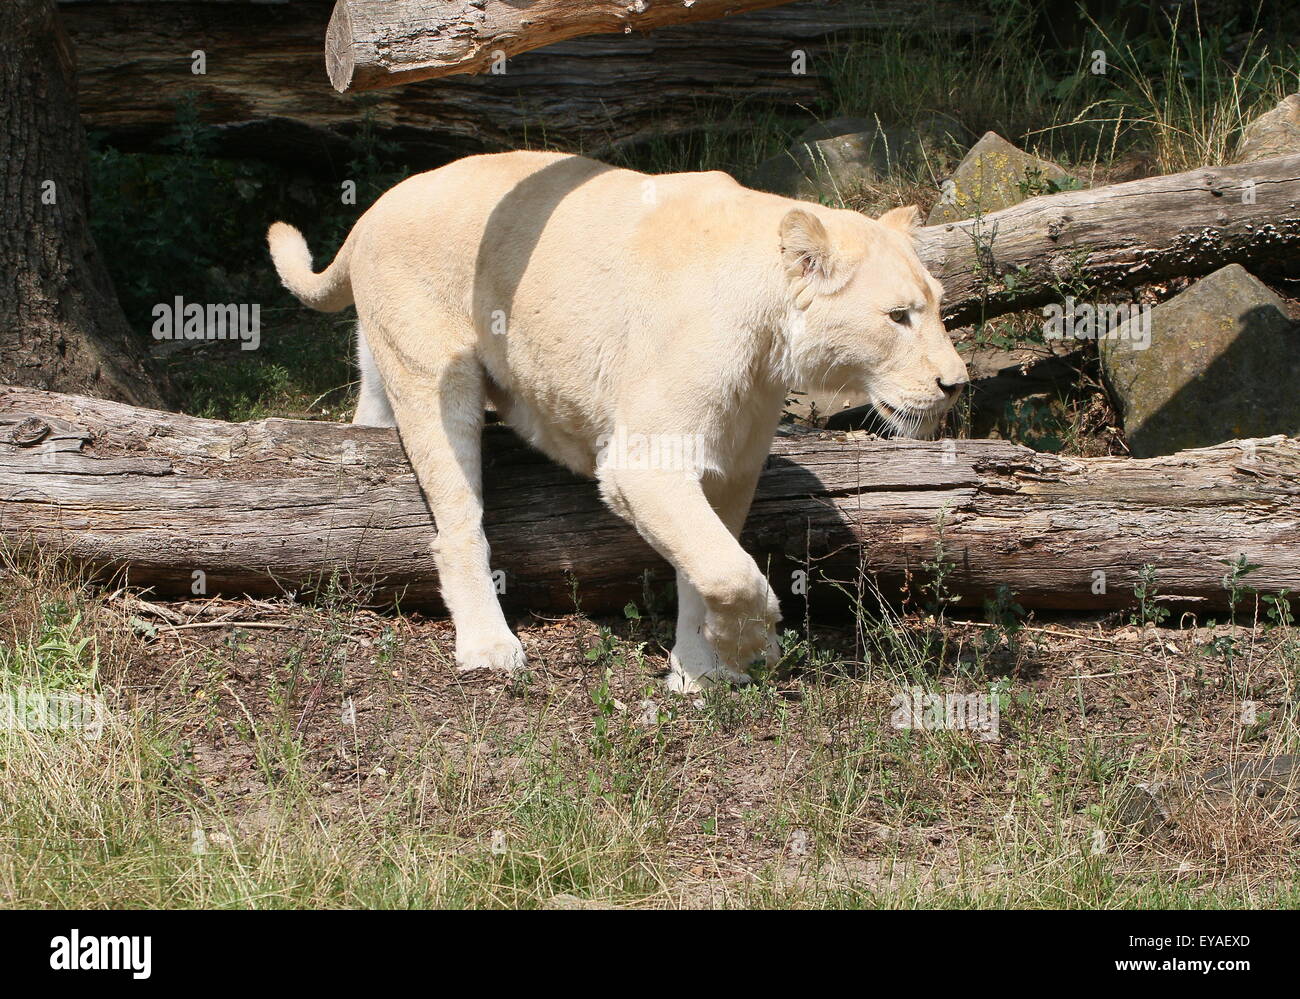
283	504
265	89
61	326
1120	236
384	43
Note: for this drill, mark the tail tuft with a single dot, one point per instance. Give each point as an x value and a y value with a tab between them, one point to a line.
328	291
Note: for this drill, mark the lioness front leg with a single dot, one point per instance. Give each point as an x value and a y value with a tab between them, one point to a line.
726	604
693	660
440	419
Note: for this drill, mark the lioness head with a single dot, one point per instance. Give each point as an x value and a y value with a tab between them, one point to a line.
867	316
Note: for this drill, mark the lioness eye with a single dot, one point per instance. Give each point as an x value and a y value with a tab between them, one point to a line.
900	316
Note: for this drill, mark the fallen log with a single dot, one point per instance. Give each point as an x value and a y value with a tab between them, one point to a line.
282	505
1120	236
264	89
384	43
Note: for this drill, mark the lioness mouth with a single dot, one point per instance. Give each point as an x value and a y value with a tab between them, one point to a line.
906	421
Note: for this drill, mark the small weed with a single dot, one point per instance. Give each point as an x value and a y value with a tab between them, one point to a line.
1148	610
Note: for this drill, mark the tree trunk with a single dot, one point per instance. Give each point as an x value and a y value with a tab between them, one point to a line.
61	326
384	43
1120	236
265	84
178	503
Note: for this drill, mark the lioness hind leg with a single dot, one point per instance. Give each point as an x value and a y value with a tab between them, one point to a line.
439	414
373	409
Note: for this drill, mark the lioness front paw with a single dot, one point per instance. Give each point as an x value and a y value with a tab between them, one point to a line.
742	628
504	654
694	664
690	671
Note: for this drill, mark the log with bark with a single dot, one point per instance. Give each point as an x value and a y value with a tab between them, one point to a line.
1120	236
384	43
283	505
266	90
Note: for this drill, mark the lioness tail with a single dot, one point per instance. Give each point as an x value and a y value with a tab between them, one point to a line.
328	291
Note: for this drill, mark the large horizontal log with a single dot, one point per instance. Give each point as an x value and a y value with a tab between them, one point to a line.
265	85
1120	236
275	504
383	43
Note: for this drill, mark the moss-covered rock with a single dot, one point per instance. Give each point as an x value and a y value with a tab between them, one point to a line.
996	175
836	159
1274	133
1223	363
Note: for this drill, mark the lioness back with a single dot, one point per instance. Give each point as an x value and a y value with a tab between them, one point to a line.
575	281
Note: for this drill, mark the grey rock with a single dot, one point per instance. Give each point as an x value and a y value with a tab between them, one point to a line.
836	159
1157	809
1145	809
1223	364
1273	782
994	175
1274	133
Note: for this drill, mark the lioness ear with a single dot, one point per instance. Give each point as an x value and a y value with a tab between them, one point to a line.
805	245
806	250
906	219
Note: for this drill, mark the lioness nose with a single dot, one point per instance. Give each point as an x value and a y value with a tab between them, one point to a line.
951	388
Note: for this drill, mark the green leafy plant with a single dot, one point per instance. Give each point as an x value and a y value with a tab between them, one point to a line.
1005	615
57	657
937	572
1149	610
1279	611
602	698
1238	569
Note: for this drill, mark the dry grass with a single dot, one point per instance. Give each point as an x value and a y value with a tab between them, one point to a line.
340	761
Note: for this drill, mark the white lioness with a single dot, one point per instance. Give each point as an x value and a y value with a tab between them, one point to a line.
596	305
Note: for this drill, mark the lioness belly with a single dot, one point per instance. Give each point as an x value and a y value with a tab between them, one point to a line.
537	427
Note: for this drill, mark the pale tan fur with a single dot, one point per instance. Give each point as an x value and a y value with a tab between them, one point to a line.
600	309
